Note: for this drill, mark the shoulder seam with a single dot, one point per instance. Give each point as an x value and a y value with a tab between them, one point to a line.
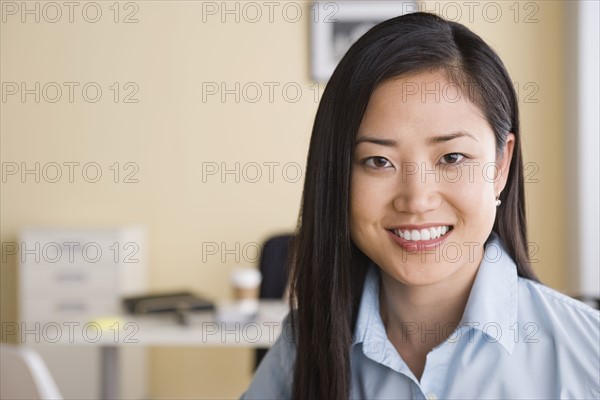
563	298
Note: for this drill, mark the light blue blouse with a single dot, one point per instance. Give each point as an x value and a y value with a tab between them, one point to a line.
517	340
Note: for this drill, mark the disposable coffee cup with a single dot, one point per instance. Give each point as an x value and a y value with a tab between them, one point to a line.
245	283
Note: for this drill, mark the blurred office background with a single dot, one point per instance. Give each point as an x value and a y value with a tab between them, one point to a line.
203	160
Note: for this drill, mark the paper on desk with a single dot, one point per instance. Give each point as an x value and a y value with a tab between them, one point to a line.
237	312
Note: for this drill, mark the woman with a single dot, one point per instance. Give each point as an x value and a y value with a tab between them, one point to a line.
411	276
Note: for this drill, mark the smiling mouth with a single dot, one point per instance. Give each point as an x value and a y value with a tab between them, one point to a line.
419	235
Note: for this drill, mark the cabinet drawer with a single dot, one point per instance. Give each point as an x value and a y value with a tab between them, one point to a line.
69	254
81	250
54	280
66	308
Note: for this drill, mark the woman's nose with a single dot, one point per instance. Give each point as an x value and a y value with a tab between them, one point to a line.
417	190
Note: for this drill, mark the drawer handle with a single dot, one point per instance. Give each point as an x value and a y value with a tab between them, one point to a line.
71	277
71	307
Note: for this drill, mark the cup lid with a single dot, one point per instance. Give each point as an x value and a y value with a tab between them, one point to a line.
246	278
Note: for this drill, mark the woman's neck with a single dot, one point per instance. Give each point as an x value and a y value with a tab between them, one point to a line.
418	318
426	315
424	306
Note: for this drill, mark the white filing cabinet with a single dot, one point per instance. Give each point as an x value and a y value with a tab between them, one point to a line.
76	276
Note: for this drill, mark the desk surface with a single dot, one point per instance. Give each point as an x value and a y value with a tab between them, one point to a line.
202	329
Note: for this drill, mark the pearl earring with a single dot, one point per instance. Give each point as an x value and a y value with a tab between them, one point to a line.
498	201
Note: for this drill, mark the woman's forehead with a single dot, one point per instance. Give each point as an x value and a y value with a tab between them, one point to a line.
420	106
419	96
426	85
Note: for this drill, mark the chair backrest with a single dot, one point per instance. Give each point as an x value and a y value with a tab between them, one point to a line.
591	301
275	260
24	375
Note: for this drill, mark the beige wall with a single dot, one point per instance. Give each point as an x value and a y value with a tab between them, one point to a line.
171	132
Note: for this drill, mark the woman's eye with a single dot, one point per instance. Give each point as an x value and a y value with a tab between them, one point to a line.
452	158
378	162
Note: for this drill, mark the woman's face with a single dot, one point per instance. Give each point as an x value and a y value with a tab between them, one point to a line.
424	180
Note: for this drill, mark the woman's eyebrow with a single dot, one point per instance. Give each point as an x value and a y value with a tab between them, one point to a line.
382	142
430	140
450	136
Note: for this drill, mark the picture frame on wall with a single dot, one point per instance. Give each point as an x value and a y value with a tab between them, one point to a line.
335	26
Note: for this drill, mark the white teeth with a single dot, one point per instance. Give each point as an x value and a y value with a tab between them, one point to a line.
433	233
423	234
415	235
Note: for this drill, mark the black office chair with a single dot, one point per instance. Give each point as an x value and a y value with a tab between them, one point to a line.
275	260
591	301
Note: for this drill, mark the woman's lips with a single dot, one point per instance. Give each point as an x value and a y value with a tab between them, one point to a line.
413	246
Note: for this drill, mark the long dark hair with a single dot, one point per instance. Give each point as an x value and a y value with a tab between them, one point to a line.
329	270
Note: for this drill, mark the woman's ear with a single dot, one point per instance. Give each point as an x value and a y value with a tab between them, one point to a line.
503	164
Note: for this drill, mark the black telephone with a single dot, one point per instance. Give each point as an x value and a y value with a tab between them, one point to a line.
167	302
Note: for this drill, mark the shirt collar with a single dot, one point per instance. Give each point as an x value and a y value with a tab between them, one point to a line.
491	307
492	304
370	330
368	318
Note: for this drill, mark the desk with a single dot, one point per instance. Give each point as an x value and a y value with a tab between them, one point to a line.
202	330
